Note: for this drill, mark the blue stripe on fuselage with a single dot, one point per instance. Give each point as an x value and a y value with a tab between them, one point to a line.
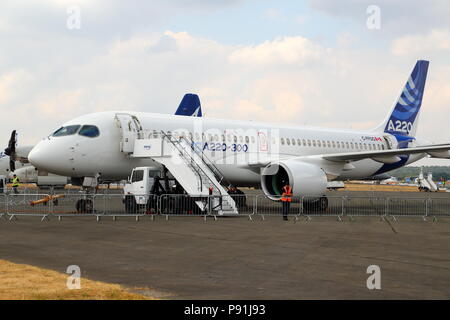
402	144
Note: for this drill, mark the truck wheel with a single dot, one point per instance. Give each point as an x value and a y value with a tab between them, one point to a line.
130	205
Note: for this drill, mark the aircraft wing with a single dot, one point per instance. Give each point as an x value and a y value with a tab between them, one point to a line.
390	156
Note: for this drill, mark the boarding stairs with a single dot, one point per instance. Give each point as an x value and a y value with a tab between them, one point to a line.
427	183
190	166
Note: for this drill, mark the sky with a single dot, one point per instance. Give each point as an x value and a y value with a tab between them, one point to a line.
339	64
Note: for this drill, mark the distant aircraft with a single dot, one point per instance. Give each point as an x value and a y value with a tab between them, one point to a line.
247	153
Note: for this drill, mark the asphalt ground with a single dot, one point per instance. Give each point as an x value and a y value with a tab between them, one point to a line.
235	258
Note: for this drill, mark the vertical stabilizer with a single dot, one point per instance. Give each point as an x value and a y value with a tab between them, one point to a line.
403	118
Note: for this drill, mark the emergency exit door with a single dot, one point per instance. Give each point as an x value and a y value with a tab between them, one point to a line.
130	128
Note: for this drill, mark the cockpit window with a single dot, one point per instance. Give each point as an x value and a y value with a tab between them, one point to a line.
66	131
89	131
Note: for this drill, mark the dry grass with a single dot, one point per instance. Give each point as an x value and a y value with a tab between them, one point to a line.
379	187
24	282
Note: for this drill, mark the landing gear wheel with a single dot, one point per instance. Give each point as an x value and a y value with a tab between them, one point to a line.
84	206
323	204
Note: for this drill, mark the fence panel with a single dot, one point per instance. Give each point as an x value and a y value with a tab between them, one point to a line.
329	206
117	204
265	206
72	204
365	206
439	207
405	207
27	205
3	205
183	204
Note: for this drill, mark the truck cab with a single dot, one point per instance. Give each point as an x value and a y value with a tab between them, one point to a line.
140	189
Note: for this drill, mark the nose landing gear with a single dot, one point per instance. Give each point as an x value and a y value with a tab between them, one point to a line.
84	206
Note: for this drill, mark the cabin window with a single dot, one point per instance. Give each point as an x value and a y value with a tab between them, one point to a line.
288	141
253	139
282	141
241	139
314	143
89	131
66	131
293	142
247	140
333	144
138	175
299	142
351	145
328	144
318	143
382	146
235	139
309	143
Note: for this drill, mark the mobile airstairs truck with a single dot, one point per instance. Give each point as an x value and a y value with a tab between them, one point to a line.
185	181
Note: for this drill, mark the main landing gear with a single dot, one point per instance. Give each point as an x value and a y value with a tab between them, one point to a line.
316	205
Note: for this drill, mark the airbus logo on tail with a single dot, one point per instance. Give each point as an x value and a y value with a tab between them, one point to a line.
399	126
408	105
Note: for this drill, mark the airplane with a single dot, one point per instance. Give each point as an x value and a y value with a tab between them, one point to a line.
247	153
14	160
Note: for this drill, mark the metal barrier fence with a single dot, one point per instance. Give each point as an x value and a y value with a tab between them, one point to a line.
214	205
100	205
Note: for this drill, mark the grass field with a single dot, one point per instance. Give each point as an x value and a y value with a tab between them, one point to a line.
25	282
379	187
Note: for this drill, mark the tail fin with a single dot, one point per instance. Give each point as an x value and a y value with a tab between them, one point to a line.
404	116
190	106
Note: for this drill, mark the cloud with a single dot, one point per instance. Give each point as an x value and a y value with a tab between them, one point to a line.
286	50
397	16
435	41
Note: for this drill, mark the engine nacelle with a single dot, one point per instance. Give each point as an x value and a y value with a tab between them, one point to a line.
305	179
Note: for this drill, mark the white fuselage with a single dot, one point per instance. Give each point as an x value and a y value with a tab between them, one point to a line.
232	145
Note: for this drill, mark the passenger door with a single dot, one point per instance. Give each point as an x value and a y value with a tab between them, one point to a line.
130	128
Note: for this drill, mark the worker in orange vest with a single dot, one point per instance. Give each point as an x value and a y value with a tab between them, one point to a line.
286	199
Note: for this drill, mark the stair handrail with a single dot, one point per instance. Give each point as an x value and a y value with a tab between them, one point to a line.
211	165
184	151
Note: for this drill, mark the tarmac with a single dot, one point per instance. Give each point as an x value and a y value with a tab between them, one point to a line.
235	258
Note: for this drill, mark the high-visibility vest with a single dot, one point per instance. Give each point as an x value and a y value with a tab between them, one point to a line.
287	194
15	182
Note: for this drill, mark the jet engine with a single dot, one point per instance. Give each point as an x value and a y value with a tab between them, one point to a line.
305	179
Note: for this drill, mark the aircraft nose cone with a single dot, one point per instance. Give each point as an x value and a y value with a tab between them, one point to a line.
37	158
